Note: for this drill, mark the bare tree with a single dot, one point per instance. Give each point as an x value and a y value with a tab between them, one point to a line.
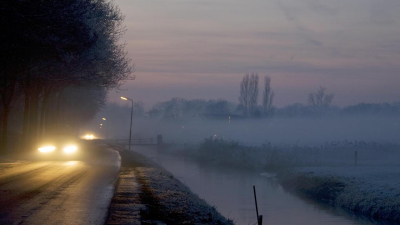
253	93
268	96
320	100
244	94
249	94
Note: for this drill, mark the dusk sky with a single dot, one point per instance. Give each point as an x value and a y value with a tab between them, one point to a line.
202	48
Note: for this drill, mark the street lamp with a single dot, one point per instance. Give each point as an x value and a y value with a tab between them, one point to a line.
106	126
130	130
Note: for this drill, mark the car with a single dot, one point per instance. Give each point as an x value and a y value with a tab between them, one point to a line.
59	146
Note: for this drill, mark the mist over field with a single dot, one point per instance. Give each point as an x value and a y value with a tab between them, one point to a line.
280	129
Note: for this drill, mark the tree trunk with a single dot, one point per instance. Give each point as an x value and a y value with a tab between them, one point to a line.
33	115
43	113
6	113
58	111
25	126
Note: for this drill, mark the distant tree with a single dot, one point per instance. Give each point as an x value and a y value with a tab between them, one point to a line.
173	109
268	97
253	93
219	106
319	100
155	111
193	107
222	106
249	94
373	109
138	108
295	109
244	94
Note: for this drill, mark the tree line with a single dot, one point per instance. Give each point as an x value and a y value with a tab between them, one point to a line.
183	110
58	60
318	102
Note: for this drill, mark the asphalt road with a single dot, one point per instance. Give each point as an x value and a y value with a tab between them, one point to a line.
58	192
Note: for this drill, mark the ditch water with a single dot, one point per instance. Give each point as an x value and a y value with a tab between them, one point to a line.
231	192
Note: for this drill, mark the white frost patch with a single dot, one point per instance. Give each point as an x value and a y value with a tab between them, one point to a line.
370	190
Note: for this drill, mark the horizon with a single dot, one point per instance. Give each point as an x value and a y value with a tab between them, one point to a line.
149	106
202	49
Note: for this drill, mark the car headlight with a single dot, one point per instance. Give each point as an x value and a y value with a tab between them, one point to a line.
46	149
89	137
70	149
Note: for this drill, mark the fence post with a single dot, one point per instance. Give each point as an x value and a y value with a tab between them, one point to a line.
259	217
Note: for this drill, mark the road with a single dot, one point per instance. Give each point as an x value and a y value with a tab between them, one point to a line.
59	192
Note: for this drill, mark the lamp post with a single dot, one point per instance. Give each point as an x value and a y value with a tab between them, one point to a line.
130	130
106	127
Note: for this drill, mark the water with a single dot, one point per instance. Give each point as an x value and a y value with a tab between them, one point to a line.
231	192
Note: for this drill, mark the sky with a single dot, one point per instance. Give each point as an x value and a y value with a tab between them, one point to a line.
201	49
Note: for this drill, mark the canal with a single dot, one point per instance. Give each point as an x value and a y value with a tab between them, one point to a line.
231	192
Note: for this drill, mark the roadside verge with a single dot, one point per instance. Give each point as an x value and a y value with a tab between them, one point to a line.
148	194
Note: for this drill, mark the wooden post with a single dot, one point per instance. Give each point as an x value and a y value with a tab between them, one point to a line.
355	158
259	217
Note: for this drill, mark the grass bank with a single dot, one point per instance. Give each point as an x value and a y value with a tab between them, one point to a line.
151	195
371	191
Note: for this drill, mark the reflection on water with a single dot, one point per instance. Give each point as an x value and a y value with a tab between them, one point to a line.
231	192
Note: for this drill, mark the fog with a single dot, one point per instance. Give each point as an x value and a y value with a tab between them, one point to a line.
348	155
277	130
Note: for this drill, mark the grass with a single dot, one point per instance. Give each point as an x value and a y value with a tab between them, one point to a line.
234	154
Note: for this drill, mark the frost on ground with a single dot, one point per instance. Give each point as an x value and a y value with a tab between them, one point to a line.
148	194
325	172
369	190
177	200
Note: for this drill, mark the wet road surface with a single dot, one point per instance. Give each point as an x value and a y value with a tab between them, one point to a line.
59	192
